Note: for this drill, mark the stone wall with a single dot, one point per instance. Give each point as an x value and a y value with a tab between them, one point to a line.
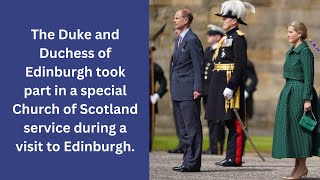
267	44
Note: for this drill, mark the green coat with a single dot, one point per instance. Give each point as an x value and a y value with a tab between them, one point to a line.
289	139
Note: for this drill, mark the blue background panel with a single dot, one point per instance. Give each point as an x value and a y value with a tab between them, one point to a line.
19	50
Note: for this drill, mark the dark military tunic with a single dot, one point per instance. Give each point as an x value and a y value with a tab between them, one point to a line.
233	50
158	78
216	129
251	84
208	67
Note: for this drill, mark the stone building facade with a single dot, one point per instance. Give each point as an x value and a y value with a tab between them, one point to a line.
267	44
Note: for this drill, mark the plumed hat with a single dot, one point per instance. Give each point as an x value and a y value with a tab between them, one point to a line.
235	9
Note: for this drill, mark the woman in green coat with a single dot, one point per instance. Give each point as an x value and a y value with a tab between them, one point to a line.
297	96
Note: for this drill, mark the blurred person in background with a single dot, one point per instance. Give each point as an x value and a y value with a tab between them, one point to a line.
159	79
250	87
216	128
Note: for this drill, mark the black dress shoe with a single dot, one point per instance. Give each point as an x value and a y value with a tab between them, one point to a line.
227	163
177	168
177	150
185	169
220	162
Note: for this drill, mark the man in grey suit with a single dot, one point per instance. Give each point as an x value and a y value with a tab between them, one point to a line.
186	90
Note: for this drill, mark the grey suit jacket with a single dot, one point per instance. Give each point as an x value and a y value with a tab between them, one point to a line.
187	68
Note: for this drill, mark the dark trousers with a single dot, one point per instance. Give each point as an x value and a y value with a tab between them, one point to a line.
216	136
235	141
249	115
216	132
188	120
180	144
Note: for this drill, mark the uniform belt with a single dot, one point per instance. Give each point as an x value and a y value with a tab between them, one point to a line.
234	102
224	67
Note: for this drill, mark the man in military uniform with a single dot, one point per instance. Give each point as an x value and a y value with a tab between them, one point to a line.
216	128
226	91
161	80
250	86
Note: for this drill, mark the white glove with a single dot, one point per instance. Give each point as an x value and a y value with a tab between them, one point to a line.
246	94
228	93
154	98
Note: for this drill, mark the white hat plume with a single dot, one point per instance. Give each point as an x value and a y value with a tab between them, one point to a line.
237	7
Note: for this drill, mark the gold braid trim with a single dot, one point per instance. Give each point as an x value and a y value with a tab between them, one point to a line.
240	33
235	101
216	52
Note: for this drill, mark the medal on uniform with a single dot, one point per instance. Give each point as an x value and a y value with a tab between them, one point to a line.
227	43
223	54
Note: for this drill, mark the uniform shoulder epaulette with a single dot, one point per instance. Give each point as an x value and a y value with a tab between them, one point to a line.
240	33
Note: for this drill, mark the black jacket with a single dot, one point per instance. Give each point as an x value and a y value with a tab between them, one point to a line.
161	80
233	50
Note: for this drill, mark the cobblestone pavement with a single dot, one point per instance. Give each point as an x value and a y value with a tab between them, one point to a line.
161	164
